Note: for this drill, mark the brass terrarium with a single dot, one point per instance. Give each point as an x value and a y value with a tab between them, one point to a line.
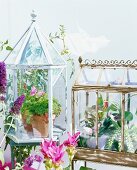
37	70
104	110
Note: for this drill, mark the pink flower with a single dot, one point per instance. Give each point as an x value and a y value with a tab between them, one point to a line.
6	165
52	151
33	91
106	104
57	154
40	93
46	146
72	140
28	168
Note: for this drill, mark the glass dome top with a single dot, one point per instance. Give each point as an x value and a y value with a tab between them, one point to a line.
34	49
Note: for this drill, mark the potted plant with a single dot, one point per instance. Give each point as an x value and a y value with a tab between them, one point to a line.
35	109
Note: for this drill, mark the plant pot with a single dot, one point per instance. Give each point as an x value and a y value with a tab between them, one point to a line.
91	142
40	125
27	127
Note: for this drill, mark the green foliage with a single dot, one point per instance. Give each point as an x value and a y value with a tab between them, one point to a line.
38	105
108	126
61	36
100	101
114	140
4	45
128	116
30	78
22	152
82	142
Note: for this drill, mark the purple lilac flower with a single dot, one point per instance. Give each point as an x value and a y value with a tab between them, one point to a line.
2	98
38	158
3	80
29	161
17	105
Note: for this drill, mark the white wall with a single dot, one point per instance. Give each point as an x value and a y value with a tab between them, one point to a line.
98	28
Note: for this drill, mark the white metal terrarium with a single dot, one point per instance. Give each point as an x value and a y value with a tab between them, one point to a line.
34	63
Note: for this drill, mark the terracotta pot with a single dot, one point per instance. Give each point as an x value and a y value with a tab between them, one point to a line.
27	127
40	125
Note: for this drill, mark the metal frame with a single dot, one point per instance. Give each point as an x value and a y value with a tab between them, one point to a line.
86	154
108	63
49	65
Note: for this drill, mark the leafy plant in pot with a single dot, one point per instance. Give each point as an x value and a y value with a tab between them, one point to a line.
35	110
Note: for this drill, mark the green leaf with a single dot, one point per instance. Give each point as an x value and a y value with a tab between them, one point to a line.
128	116
100	100
1	157
6	42
113	107
136	112
11	125
9	48
67	168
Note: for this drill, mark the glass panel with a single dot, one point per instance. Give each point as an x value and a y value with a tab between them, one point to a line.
33	53
14	53
85	109
132	77
130	123
57	73
109	121
56	58
33	121
59	105
108	76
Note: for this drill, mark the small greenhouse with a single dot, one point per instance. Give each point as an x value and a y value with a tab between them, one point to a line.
104	106
36	70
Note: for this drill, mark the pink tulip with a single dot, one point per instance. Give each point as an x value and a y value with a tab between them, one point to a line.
72	140
33	91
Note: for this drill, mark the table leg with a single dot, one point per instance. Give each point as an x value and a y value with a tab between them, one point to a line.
12	157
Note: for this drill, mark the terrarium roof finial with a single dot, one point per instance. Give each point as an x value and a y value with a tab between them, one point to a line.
33	15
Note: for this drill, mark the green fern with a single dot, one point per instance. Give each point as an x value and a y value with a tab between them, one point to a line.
116	136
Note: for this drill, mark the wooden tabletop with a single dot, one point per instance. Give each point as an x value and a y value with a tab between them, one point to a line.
107	157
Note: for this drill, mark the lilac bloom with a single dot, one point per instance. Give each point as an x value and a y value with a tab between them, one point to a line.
17	105
29	161
2	98
38	158
3	80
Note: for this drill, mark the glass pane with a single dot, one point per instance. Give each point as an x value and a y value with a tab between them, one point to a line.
130	129
33	53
